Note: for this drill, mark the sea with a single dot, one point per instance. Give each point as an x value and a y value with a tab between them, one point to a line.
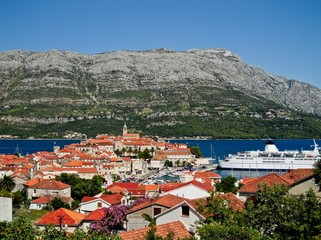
210	148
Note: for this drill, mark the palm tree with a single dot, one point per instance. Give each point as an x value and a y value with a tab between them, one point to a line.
150	219
7	183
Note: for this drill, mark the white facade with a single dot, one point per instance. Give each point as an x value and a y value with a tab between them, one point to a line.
37	206
5	173
39	192
186	177
189	216
159	164
91	206
188	191
5	209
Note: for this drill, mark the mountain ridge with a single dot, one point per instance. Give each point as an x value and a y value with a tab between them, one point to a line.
149	84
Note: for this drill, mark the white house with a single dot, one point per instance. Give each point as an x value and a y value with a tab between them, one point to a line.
190	190
90	204
186	212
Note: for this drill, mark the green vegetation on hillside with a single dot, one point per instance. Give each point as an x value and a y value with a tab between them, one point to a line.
220	127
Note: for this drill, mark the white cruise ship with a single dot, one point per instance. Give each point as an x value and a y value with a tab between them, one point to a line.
272	159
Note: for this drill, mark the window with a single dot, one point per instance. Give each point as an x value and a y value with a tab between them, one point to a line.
157	211
99	205
185	210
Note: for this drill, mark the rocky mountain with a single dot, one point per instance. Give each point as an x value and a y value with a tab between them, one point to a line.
149	89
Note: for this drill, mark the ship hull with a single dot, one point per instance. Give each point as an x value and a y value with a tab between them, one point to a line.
271	164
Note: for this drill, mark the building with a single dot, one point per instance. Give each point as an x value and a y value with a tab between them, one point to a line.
48	187
90	204
162	230
190	190
5	209
61	218
151	207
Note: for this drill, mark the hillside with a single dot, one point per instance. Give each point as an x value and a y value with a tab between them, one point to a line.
209	92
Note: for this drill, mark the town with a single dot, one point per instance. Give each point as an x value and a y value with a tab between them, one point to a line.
109	177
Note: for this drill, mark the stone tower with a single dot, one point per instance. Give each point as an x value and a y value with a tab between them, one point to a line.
124	129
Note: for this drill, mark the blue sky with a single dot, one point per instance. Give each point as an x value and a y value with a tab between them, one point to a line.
281	36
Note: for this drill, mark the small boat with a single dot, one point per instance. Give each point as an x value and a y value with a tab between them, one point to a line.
212	159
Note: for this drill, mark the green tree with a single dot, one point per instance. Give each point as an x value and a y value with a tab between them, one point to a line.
282	216
57	203
168	163
75	204
266	211
19	229
196	151
7	183
216	209
150	219
81	187
70	179
227	184
145	154
118	152
218	231
19	197
317	173
52	233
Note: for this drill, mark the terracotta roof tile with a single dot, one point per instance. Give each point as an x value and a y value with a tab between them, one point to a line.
33	181
112	198
270	180
171	186
96	215
69	217
49	184
234	202
117	189
125	185
151	187
162	230
74	164
298	174
206	175
48	199
167	200
88	199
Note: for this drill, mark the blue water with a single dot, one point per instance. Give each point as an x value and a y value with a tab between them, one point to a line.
220	148
31	146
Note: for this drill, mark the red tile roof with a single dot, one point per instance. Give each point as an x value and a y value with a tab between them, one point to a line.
151	187
32	182
42	200
162	230
69	217
49	184
206	175
125	185
167	200
112	199
96	215
171	186
117	189
246	180
270	179
233	201
299	174
48	199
